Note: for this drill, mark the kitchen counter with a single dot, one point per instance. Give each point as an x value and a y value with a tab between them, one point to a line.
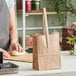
68	68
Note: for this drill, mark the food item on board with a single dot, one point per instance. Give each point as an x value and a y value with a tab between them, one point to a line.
16	53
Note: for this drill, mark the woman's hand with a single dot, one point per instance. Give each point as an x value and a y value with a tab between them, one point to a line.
16	46
5	53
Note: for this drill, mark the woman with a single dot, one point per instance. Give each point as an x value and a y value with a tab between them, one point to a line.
8	31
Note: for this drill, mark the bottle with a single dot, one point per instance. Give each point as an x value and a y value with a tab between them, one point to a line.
28	5
20	5
36	4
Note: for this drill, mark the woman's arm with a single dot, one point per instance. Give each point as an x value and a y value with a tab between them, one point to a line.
13	32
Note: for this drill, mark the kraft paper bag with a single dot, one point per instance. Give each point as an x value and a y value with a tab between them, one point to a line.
46	49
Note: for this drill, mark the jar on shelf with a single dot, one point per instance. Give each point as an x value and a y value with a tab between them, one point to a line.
19	5
36	4
28	5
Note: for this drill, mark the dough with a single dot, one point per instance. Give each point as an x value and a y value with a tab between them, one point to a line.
16	53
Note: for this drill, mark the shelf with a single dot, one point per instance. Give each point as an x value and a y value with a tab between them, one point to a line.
19	11
39	28
24	29
40	12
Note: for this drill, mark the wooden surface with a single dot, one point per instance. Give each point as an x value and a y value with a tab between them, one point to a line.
24	58
45	28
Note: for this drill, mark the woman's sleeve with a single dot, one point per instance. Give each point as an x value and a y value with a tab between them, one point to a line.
10	3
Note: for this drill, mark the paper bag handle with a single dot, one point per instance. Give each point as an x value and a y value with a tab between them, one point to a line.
45	28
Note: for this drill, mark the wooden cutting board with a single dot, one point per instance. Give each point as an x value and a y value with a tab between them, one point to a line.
28	57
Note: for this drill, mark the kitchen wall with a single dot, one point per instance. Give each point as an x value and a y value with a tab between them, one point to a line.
36	21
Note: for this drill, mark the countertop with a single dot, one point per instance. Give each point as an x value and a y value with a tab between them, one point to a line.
68	68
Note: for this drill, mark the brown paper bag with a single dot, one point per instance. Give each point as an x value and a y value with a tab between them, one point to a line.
46	49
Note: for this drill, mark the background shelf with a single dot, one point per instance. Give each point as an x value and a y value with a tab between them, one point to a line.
29	22
33	12
39	28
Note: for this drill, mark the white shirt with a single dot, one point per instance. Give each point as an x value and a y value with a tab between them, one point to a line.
10	3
